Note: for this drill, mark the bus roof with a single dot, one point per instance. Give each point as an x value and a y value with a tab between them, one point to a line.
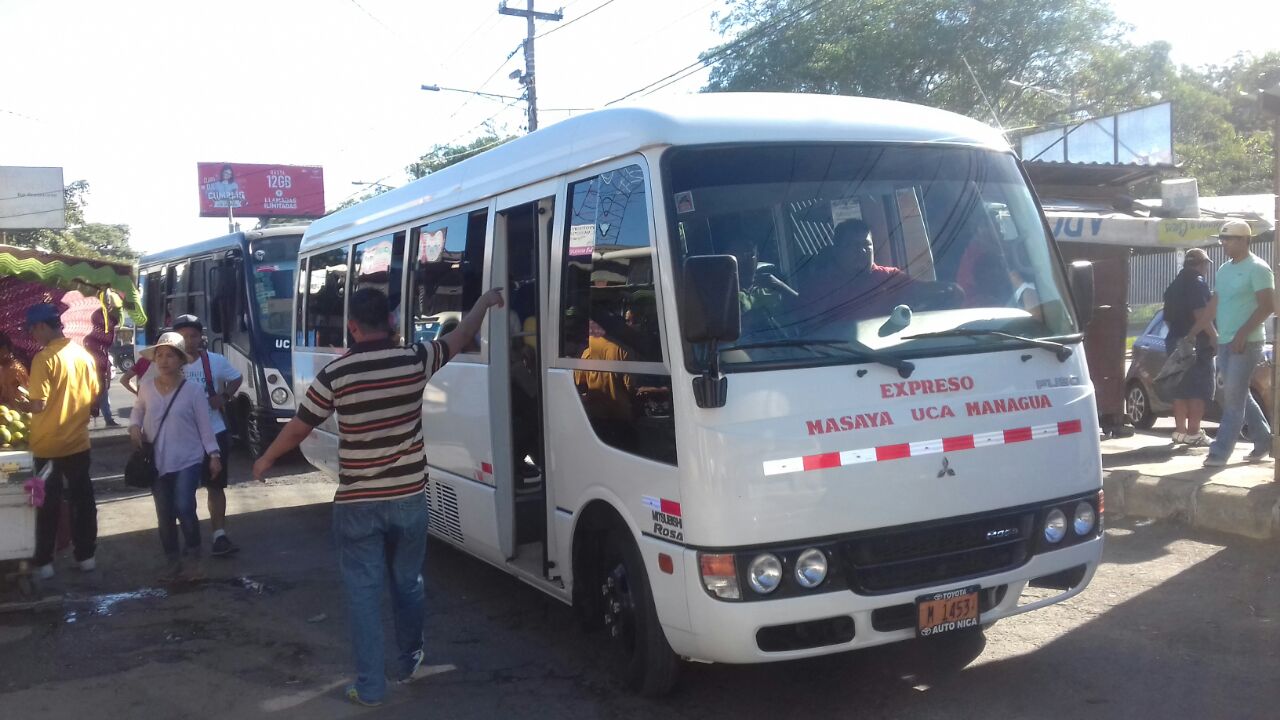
225	242
688	120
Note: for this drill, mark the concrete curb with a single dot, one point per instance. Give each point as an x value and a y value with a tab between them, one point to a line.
1200	499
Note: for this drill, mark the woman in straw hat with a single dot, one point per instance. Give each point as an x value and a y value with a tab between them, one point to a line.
181	441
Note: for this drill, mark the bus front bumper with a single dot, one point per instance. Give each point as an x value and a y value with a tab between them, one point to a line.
820	624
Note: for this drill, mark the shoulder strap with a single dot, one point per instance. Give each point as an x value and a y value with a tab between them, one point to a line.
421	351
208	374
172	400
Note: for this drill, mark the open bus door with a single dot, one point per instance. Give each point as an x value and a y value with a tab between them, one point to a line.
522	238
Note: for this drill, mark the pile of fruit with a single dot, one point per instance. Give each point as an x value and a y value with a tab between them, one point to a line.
13	428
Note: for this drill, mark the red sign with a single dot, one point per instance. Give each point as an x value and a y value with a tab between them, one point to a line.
261	190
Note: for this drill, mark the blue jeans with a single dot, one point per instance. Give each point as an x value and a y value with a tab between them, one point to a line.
175	498
374	538
1238	404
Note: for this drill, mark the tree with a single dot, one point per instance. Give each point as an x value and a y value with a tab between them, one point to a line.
442	156
979	58
81	239
1018	64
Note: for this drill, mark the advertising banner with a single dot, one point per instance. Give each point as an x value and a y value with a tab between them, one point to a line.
31	198
247	190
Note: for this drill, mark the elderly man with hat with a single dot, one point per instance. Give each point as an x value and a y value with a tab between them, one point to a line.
1242	300
64	388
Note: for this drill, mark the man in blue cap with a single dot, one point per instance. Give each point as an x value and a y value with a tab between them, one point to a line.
64	388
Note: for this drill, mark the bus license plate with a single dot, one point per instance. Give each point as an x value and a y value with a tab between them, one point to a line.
947	611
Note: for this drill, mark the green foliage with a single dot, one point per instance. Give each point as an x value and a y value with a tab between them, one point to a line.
1020	64
939	52
442	156
81	239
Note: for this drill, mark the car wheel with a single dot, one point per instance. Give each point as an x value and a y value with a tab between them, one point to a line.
1137	407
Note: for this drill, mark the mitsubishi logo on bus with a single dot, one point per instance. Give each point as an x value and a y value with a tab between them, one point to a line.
1002	534
946	468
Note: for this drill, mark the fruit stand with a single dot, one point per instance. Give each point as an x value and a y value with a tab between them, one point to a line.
89	295
84	290
17	516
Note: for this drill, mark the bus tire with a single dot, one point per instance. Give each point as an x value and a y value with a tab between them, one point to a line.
642	657
260	431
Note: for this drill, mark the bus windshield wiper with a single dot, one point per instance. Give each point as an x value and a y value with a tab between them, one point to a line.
1061	351
853	350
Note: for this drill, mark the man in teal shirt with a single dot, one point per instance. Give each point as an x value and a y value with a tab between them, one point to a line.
1244	297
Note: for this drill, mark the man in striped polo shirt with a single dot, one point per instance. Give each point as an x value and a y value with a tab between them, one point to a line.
380	509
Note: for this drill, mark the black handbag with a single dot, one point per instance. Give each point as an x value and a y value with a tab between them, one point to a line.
141	471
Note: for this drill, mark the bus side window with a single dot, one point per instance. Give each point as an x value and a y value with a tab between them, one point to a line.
197	298
326	299
378	263
610	314
154	305
447	261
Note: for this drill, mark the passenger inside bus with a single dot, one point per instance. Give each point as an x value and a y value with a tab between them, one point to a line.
845	283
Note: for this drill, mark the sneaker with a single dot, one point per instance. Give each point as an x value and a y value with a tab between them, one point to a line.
409	676
351	694
45	572
88	565
1257	456
1179	438
1214	462
222	547
1197	440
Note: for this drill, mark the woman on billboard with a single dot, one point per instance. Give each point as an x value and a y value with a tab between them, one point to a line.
225	191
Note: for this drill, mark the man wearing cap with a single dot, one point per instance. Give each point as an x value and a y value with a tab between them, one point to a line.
212	372
64	387
1243	299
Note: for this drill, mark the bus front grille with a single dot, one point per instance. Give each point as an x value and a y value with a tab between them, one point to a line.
897	559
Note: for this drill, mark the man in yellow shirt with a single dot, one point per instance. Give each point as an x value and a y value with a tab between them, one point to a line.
64	387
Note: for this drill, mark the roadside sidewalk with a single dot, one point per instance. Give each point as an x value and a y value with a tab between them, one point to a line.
1145	475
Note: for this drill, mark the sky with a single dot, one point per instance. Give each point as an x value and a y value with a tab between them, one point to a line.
131	95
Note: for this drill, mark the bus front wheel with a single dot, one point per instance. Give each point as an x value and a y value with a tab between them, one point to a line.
642	656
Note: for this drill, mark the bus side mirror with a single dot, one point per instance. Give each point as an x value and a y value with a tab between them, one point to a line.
709	315
709	310
1082	291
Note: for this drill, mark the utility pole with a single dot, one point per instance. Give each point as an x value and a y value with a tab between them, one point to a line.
531	91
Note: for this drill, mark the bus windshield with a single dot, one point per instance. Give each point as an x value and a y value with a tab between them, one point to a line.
886	248
275	260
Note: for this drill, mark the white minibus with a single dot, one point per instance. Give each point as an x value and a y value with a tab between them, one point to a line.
778	375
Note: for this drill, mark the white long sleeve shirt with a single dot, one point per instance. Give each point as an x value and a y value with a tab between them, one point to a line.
187	435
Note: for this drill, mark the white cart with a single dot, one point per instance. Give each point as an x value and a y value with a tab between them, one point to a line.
17	520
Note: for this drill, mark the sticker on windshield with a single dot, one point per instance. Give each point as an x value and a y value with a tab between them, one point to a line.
684	202
845	209
582	240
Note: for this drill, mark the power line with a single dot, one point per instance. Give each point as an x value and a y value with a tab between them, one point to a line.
588	13
756	34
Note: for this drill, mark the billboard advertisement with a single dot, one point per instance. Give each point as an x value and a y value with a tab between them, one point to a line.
1136	137
249	190
31	198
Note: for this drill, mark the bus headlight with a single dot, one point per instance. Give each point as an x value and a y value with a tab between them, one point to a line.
765	573
1055	526
720	575
811	568
279	396
1085	519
